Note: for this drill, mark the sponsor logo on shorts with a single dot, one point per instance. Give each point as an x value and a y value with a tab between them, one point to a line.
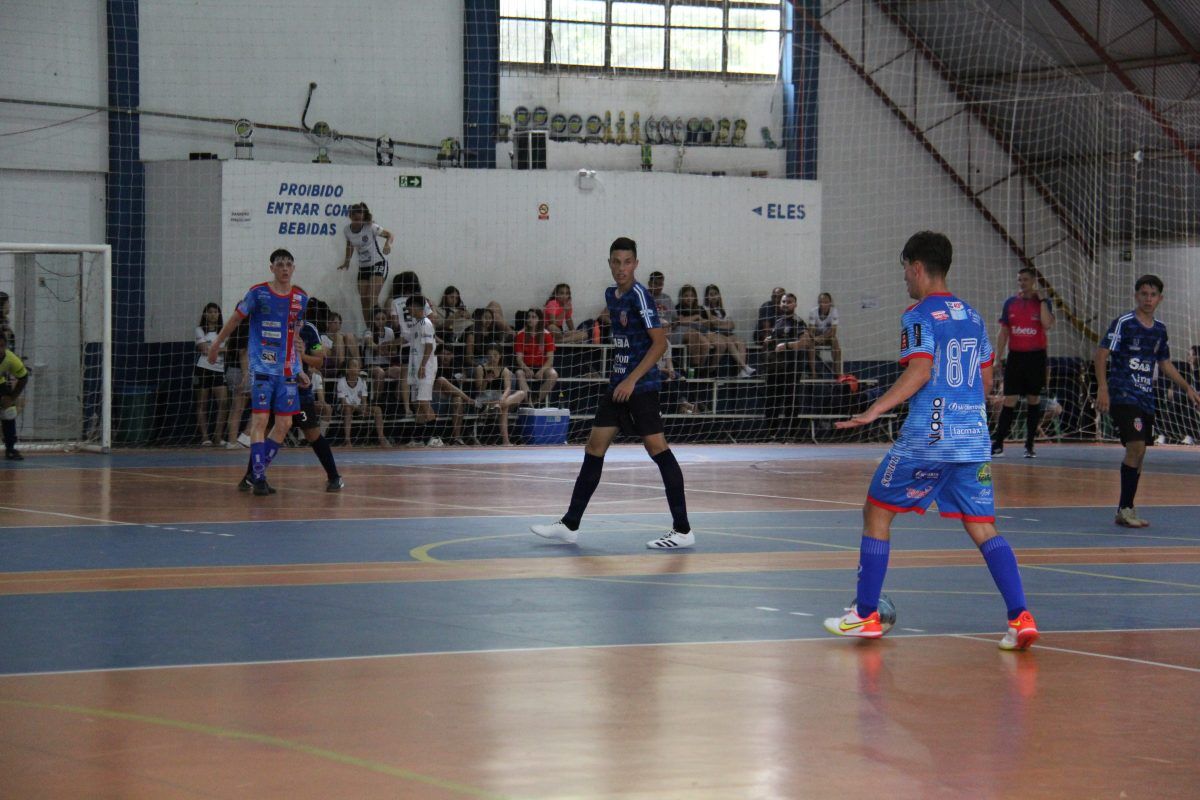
917	494
926	474
889	471
984	475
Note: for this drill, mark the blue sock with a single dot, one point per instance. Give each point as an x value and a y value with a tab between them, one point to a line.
270	449
258	461
1002	563
872	567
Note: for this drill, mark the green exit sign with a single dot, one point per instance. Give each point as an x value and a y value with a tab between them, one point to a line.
410	181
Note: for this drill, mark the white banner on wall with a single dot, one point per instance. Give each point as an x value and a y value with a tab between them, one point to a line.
497	235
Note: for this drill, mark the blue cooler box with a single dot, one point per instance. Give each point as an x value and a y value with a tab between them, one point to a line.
543	425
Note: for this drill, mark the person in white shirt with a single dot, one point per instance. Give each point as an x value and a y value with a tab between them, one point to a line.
363	237
422	375
208	378
822	327
355	397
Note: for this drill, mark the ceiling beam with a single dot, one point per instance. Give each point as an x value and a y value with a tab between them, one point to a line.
1148	103
1172	29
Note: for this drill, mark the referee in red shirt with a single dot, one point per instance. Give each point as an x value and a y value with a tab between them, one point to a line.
1024	321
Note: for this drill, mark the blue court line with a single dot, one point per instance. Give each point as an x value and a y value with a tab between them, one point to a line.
81	631
391	540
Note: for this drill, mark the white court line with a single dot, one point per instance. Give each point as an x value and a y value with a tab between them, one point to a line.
1126	659
99	520
824	638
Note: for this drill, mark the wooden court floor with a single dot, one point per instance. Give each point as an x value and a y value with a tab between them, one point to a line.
165	636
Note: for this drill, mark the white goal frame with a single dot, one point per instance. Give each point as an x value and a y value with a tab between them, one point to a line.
104	445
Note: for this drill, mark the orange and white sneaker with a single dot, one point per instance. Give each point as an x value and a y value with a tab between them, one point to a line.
1022	632
851	624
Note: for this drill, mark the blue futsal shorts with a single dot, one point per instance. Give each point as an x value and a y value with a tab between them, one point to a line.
962	490
274	393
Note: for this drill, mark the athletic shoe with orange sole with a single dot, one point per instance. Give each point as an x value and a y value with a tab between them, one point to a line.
851	624
1022	632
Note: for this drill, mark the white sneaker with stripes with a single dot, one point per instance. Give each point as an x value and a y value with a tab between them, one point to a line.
672	540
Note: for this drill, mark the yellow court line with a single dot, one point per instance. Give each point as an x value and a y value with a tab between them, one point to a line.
263	739
980	593
1111	577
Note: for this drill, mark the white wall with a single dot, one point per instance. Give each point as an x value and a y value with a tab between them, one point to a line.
481	231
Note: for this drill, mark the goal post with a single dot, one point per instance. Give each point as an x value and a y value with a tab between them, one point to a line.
61	314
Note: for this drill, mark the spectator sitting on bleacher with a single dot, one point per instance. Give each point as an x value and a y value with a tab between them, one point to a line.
495	390
721	331
339	345
822	327
768	313
483	333
696	342
533	350
790	332
454	315
381	356
355	398
560	317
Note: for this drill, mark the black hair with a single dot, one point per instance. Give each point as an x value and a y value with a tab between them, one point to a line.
720	301
448	290
361	208
1152	280
931	249
416	300
406	284
1030	271
623	243
220	317
282	253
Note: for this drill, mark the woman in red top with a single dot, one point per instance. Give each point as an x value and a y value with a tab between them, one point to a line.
560	316
533	350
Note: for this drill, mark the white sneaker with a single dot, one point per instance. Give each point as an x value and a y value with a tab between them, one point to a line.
1160	439
230	446
436	442
244	439
1187	440
556	531
747	372
672	540
416	443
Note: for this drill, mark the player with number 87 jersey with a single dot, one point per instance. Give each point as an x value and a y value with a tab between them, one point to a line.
947	417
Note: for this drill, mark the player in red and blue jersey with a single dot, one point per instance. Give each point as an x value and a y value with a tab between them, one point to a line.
1137	342
1024	321
943	451
630	404
275	310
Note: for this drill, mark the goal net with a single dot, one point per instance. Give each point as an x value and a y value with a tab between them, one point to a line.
513	141
59	313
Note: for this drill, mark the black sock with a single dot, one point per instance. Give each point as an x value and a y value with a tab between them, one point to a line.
1003	426
1033	416
1129	482
585	485
10	434
325	455
672	477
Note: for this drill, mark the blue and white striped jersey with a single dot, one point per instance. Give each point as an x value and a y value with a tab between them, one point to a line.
947	417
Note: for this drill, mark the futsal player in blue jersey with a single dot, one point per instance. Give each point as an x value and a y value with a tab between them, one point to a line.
275	310
312	357
944	449
1136	343
630	403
